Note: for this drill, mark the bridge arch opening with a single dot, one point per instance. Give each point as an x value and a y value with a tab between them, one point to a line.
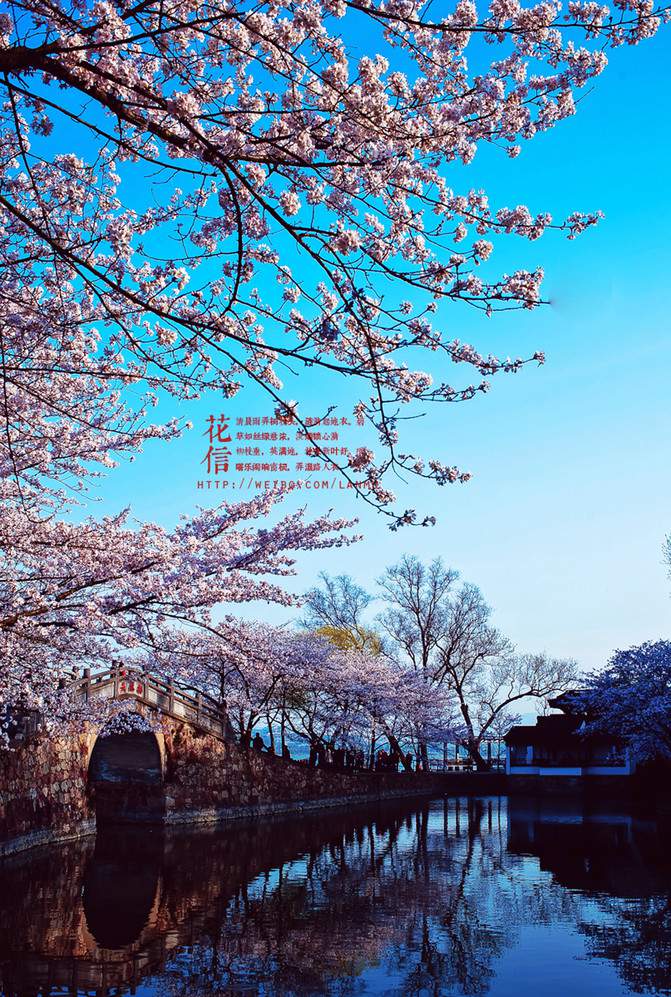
125	777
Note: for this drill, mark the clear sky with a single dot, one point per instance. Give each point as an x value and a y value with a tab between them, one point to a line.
563	522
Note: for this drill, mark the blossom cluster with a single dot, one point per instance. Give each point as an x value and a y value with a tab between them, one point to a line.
209	144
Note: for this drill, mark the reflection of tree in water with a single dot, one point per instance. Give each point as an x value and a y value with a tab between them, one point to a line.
464	882
427	896
623	863
420	895
637	938
634	927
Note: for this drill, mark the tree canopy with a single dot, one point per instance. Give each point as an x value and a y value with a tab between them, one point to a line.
631	698
206	196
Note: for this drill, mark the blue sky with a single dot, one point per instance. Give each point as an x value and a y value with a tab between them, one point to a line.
563	522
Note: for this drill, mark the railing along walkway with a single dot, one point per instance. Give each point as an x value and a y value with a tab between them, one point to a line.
170	699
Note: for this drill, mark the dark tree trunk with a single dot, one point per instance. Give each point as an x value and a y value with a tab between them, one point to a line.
480	763
283	725
395	746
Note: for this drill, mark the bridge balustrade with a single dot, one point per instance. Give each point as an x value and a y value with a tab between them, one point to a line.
166	696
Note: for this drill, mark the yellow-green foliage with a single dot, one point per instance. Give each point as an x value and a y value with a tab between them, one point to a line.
359	639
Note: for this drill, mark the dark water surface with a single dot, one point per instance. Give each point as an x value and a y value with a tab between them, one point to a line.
480	896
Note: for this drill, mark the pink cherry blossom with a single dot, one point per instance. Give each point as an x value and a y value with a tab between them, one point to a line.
160	171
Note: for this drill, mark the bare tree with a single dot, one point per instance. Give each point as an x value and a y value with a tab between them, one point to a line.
487	687
447	634
337	610
418	603
417	615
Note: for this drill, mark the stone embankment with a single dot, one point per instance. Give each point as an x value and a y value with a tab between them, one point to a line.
43	793
49	791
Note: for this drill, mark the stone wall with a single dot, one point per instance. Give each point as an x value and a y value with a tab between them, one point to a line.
214	780
46	793
43	793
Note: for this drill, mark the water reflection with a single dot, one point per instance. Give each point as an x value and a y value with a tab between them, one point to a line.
467	896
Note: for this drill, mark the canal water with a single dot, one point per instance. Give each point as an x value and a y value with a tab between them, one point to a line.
464	896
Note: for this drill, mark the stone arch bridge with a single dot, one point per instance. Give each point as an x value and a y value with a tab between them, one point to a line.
189	769
166	697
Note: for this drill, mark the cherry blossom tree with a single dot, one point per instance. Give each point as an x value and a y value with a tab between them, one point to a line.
201	197
631	699
65	415
333	706
409	711
364	696
162	169
79	594
323	693
667	553
257	672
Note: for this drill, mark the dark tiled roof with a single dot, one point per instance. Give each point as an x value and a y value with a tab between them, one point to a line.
520	735
568	702
549	731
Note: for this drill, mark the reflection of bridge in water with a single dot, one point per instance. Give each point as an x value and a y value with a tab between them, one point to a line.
116	910
104	975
